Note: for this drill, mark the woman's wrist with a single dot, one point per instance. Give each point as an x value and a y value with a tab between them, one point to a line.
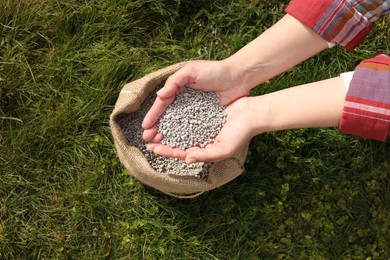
317	104
279	48
237	73
260	114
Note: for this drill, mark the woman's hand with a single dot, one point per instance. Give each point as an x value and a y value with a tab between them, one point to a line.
216	76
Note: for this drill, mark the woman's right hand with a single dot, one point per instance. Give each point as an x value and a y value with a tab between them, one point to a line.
217	76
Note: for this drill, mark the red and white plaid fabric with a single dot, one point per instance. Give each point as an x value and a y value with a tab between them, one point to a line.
343	22
367	105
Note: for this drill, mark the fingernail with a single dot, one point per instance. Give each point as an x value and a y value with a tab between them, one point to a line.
160	91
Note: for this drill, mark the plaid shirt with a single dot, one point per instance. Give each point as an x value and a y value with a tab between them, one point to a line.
347	22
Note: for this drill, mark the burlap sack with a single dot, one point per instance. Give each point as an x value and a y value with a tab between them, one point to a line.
130	99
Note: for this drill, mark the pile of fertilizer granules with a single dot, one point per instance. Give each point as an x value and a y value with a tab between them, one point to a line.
194	119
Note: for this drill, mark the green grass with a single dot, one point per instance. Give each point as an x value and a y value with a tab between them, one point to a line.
308	193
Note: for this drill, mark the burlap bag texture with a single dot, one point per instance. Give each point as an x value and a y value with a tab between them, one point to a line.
130	99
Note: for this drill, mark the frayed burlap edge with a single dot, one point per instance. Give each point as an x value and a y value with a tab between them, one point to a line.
130	99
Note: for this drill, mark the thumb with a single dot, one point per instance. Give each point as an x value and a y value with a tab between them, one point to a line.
177	82
211	153
156	111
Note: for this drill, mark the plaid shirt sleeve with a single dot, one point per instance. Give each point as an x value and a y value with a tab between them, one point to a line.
367	105
343	22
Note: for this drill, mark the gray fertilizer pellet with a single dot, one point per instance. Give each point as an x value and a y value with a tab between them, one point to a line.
201	128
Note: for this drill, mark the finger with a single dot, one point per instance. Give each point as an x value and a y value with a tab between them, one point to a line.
156	111
151	145
150	133
166	151
158	138
211	153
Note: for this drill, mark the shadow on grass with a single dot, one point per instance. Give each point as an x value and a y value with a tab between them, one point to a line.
326	199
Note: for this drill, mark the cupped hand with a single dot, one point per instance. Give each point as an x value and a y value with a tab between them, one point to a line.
216	76
235	135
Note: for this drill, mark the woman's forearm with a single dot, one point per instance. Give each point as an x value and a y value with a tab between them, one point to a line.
318	104
279	48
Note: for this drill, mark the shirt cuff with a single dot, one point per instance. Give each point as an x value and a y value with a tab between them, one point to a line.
337	22
366	110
